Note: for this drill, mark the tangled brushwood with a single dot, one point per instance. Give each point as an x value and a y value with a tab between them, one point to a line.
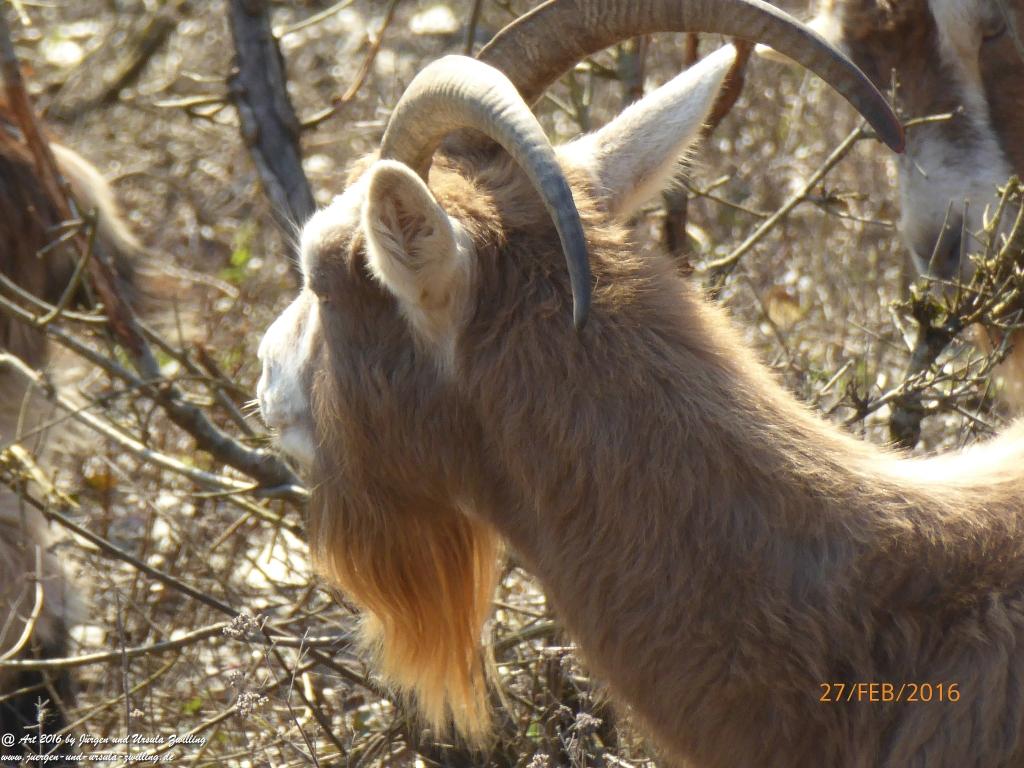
571	501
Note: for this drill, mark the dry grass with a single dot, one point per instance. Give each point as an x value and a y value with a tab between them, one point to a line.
814	296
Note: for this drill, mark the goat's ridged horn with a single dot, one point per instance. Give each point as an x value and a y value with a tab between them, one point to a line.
540	46
457	92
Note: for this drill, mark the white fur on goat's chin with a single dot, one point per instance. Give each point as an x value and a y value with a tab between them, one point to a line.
938	186
282	398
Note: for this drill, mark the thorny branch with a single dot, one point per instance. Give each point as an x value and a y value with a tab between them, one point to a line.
993	297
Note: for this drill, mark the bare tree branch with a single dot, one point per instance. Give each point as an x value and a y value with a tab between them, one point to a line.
259	89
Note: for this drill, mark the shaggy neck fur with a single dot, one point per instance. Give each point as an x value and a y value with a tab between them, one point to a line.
717	551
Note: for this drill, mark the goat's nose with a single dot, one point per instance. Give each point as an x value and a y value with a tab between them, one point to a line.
941	256
946	260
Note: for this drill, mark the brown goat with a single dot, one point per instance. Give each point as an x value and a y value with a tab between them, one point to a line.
958	57
940	57
718	552
28	218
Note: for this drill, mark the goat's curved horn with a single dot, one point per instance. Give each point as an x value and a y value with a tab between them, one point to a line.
540	46
457	92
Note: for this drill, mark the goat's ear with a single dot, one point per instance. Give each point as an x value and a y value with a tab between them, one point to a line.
412	244
633	157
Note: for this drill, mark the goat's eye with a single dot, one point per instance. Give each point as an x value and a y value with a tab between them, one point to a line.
993	27
988	37
319	293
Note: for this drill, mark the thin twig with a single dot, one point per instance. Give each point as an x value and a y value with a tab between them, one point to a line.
726	263
182	641
471	27
33	617
312	20
364	70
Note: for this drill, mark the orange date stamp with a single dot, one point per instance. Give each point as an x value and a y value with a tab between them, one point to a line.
886	693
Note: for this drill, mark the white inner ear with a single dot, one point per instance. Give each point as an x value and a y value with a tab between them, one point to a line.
633	158
420	254
411	241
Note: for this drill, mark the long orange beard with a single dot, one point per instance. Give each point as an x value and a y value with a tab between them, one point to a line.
425	579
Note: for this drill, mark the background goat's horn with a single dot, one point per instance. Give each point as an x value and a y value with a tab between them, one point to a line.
458	92
540	46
